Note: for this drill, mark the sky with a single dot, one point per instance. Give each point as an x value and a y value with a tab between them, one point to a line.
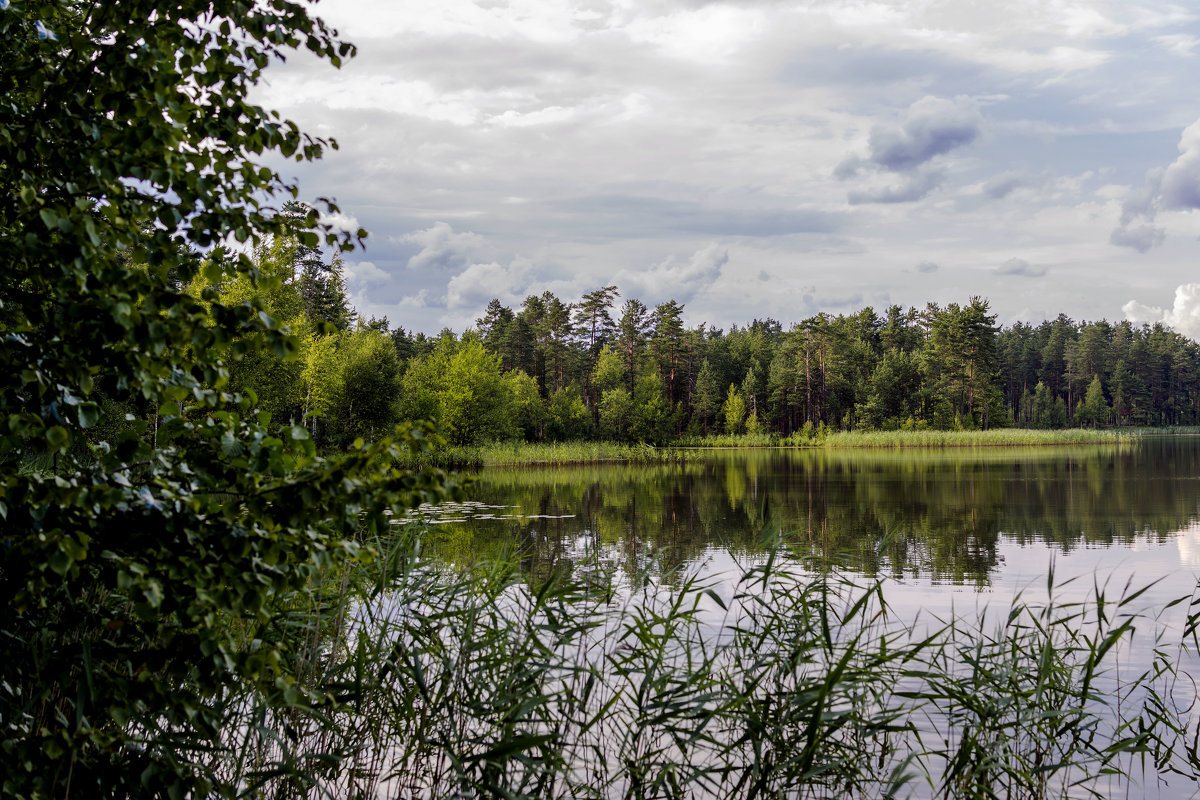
761	158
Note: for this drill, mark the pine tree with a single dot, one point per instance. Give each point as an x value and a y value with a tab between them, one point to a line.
632	329
1095	408
707	396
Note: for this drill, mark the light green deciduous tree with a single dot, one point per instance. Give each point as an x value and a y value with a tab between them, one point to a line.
155	574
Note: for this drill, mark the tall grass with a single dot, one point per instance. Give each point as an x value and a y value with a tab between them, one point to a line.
547	453
428	681
995	437
1173	430
517	453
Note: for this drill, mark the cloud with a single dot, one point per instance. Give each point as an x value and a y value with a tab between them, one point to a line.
1139	313
366	283
932	126
651	216
1183	316
479	283
914	188
364	273
1143	202
442	248
674	278
659	130
1139	237
1181	182
1019	266
1001	186
927	266
854	300
848	168
1179	44
419	300
1176	188
340	222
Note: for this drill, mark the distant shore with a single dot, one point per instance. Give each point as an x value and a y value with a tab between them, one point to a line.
995	437
497	454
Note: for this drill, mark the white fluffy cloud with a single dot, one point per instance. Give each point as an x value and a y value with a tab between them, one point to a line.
442	248
673	278
340	221
475	286
1176	188
1183	316
364	273
364	281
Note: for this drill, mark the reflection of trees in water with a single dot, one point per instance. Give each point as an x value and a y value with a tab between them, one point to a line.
940	514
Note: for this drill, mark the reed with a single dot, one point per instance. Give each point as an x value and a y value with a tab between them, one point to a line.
793	680
996	437
546	453
734	440
515	453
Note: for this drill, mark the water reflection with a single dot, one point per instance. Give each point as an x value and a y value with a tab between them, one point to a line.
946	516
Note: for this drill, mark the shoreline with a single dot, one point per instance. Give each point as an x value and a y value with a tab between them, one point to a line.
511	454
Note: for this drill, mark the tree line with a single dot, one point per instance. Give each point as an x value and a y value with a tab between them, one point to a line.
612	368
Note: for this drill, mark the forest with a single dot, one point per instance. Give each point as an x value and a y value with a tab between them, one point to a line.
205	601
598	367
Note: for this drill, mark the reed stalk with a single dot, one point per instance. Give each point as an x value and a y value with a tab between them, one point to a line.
793	680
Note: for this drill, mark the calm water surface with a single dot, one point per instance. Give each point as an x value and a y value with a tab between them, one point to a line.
953	531
964	525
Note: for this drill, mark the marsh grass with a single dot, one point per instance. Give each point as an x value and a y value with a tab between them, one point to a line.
1174	430
513	453
996	437
785	681
496	454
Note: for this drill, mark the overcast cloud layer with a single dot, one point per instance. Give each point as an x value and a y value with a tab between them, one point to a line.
762	158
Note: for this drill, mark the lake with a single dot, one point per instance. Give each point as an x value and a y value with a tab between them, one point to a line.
980	520
952	533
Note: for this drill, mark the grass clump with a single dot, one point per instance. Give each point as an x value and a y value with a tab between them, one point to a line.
514	453
820	436
784	681
995	437
519	453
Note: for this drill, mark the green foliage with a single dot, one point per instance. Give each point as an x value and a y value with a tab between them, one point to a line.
367	383
609	372
1094	410
461	386
706	400
323	290
651	412
913	436
320	374
616	414
149	568
518	453
531	415
567	418
945	368
734	411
